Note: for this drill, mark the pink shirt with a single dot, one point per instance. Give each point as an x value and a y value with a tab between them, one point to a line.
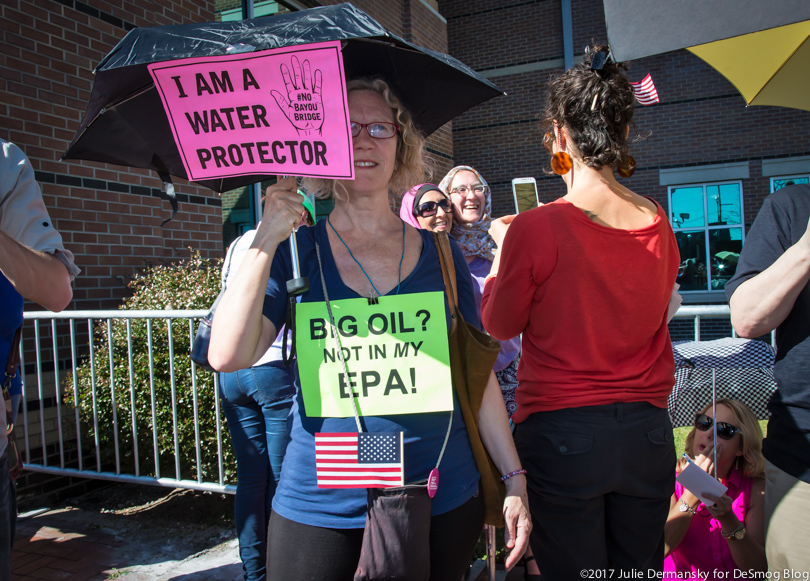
704	550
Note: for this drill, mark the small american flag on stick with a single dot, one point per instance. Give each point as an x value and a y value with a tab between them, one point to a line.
352	460
645	91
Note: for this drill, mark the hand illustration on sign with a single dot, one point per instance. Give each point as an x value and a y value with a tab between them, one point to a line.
303	104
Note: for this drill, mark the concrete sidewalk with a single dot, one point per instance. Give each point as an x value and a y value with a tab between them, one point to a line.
141	534
79	544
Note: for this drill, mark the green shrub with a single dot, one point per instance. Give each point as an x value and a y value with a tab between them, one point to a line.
188	284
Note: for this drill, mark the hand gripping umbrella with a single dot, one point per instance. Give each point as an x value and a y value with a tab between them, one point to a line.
740	369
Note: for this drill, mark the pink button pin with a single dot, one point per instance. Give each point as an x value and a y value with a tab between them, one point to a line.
433	482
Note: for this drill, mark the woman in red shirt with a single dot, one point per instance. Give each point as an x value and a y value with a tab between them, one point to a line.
587	280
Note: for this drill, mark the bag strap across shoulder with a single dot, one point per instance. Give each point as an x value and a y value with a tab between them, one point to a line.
448	274
13	359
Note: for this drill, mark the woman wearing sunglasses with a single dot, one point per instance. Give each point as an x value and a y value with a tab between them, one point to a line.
425	206
363	255
729	535
587	280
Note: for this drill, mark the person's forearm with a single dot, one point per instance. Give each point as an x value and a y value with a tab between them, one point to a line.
493	425
748	553
762	303
677	525
37	276
238	335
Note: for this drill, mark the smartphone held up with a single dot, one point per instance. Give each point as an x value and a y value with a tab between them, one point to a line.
524	191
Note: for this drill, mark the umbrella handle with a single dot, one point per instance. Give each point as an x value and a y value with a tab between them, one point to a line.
295	286
298	284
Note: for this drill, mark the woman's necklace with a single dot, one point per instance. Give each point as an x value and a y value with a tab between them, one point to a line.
401	258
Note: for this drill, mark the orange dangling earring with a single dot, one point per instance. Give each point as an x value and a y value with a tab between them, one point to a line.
561	162
627	166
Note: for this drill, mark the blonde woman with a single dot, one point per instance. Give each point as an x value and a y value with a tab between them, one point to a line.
366	252
728	535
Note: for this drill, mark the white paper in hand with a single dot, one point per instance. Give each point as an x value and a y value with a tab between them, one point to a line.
697	481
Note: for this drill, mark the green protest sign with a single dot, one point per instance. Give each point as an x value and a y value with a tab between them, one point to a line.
396	351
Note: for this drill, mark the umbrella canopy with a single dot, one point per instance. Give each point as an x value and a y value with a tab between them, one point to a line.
767	67
762	48
125	122
639	28
739	369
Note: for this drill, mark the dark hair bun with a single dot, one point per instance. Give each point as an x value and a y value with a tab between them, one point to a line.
595	106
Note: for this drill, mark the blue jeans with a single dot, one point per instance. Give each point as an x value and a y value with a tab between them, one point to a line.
8	517
257	403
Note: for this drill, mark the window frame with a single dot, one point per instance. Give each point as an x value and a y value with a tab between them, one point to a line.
788	177
708	292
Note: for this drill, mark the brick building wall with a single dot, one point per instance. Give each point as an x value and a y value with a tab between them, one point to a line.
110	217
701	120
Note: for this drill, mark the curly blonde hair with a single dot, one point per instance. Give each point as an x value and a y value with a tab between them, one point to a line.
411	166
750	432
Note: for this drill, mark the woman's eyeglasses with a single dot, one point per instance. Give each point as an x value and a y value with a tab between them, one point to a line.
428	209
463	190
377	130
725	430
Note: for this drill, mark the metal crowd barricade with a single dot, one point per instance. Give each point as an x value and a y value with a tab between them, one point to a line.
51	417
60	427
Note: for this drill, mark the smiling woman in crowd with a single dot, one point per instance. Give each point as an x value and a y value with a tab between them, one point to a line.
426	206
472	216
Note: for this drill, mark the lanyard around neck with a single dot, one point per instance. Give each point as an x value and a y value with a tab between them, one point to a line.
336	336
401	258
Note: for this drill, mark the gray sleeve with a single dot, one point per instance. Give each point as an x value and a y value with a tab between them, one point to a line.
23	215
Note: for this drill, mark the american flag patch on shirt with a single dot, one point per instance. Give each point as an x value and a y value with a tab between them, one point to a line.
352	460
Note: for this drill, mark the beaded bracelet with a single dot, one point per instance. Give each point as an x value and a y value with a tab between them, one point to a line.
686	508
515	473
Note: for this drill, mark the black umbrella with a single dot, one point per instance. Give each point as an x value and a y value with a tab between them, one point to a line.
125	122
639	28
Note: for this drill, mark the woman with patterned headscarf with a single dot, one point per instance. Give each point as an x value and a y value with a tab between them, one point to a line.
472	215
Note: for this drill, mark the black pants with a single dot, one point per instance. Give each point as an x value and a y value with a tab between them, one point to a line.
600	480
298	552
8	515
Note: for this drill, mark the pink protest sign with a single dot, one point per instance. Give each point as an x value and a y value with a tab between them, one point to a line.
273	112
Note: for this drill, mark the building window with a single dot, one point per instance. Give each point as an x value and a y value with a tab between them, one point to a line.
708	224
777	183
228	10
